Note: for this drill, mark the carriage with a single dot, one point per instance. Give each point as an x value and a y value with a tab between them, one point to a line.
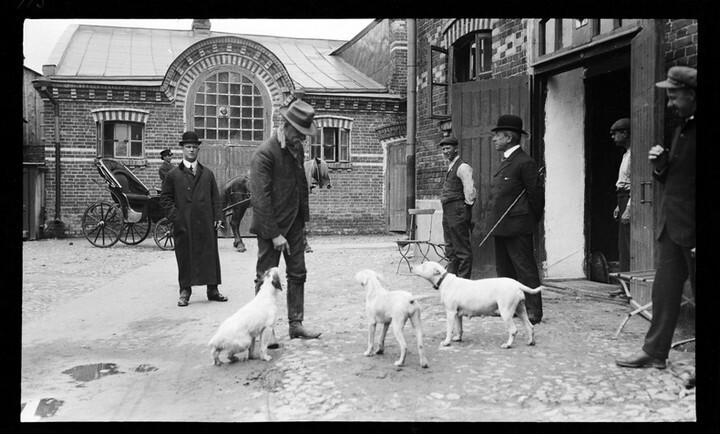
130	215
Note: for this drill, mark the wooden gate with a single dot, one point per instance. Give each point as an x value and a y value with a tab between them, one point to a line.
476	107
395	186
647	126
227	161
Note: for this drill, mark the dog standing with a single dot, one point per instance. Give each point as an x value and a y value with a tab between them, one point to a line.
390	307
484	297
252	321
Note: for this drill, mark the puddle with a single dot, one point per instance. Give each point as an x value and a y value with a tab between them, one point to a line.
145	368
45	407
92	372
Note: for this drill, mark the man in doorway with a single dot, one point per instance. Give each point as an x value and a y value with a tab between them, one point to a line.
280	202
458	197
166	165
516	207
620	132
675	169
192	203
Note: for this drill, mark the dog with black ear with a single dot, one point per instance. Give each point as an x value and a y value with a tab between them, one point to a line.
255	320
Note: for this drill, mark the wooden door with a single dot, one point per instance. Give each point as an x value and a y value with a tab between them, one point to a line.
395	187
476	107
646	126
227	161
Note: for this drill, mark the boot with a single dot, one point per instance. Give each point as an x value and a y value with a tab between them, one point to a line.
533	303
184	296
296	308
214	295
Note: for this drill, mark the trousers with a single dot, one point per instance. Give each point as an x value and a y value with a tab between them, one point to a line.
457	222
514	258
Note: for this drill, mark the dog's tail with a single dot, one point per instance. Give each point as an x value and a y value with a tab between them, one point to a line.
529	290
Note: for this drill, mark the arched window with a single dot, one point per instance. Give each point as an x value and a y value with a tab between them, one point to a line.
229	106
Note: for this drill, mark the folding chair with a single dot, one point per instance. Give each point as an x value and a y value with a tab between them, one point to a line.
648	276
423	245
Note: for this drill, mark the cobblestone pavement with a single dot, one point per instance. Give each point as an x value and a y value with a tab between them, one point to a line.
570	375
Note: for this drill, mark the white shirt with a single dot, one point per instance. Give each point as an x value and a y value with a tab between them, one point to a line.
509	152
623	181
464	172
190	165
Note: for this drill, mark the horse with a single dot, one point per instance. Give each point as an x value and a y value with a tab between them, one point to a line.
237	191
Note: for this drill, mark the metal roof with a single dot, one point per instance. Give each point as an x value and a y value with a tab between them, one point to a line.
138	55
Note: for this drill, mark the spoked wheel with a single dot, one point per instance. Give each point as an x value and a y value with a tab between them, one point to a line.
102	223
164	234
135	233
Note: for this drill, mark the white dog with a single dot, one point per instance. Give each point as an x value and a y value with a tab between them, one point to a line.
386	307
256	319
464	297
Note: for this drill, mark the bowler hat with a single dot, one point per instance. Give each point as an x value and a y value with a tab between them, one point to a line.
449	140
510	123
679	76
300	115
621	125
190	137
165	152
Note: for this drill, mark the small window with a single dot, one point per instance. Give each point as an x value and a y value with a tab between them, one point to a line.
121	139
331	144
472	56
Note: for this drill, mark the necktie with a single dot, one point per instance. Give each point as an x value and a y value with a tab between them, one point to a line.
192	172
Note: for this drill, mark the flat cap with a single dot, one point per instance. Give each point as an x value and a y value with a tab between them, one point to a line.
449	140
678	77
621	124
165	152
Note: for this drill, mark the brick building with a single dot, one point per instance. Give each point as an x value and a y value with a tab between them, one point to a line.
128	93
569	79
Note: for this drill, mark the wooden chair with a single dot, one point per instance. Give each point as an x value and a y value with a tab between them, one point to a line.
423	245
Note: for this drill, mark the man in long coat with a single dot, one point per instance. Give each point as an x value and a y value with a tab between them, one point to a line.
280	202
517	172
192	203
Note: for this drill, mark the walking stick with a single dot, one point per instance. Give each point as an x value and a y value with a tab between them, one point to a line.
540	172
235	204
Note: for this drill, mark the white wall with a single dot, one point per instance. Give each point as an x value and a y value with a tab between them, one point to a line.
565	176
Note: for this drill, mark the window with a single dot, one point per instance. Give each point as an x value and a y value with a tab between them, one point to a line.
438	83
331	144
229	106
121	139
472	56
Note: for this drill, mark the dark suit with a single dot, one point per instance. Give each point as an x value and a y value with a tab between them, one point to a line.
163	170
193	205
676	236
514	255
280	202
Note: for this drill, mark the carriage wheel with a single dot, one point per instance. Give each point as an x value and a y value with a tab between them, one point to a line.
164	234
102	223
135	233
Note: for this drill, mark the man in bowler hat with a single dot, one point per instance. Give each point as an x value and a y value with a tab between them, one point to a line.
166	166
516	194
675	169
280	202
458	197
620	132
192	203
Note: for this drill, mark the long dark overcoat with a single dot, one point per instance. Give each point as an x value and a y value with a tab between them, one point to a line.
193	204
279	190
516	173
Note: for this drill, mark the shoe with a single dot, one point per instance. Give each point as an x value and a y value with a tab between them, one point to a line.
298	331
534	319
214	295
641	359
273	344
183	301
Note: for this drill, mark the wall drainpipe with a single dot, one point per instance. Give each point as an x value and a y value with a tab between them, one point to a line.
56	228
411	110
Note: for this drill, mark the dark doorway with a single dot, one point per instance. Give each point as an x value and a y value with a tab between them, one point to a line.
607	100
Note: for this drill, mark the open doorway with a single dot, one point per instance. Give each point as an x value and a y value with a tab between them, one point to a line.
607	100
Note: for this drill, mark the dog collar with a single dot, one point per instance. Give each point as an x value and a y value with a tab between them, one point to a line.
437	285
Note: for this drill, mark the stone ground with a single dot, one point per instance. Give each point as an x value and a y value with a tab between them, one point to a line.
115	308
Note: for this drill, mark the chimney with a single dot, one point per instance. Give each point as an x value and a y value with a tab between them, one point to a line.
201	27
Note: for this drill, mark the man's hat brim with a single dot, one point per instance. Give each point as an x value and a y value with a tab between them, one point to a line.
308	131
